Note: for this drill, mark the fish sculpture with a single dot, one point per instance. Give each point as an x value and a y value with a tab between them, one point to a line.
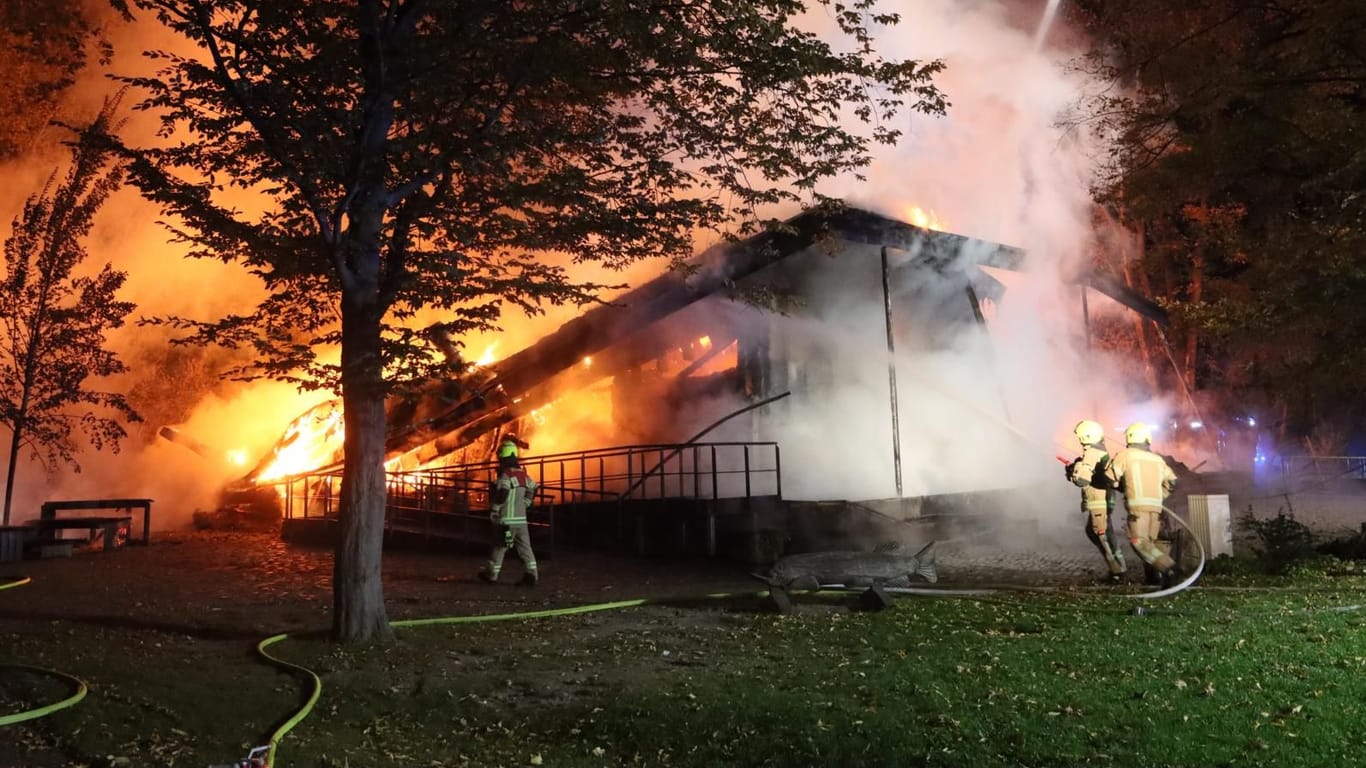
886	566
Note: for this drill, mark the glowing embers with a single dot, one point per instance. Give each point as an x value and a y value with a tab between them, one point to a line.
312	441
703	360
488	356
577	420
924	219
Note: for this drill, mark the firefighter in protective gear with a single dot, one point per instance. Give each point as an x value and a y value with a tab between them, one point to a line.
509	501
1097	502
1147	481
507	451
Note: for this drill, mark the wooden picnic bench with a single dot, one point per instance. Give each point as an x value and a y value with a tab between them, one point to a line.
108	527
48	523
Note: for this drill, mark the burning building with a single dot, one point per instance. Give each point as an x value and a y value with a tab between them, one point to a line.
832	321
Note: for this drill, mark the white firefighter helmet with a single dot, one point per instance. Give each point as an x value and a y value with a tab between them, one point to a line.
1138	433
1089	432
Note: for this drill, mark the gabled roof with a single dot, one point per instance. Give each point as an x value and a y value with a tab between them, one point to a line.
602	328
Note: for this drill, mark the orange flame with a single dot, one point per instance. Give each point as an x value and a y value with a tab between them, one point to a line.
311	442
487	357
924	219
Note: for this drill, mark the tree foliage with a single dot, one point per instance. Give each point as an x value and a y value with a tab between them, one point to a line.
486	135
451	156
45	43
53	322
1239	156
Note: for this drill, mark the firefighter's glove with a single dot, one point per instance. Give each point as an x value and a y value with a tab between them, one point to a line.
507	537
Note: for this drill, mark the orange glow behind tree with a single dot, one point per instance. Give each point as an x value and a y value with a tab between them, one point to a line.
53	323
454	156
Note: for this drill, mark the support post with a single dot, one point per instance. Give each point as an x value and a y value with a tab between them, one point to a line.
891	371
1086	316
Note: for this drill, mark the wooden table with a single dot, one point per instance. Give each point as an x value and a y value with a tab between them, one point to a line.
51	508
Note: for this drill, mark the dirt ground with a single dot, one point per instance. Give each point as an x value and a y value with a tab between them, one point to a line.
125	620
242	584
227	584
203	599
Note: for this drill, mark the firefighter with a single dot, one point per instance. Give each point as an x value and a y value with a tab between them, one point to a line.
1087	472
507	451
509	501
1146	481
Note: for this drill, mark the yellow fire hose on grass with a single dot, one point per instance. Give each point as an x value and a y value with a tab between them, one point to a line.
316	683
32	714
265	755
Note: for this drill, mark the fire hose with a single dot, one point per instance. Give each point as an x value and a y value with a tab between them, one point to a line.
264	756
1111	558
1183	585
76	682
316	683
316	686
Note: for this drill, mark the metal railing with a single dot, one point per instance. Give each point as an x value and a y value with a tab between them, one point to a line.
1324	467
661	471
453	501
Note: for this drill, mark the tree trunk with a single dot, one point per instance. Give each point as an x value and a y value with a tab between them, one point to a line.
14	442
37	327
357	591
1137	279
1196	293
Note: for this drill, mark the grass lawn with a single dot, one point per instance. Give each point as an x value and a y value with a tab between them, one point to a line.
1205	679
1210	678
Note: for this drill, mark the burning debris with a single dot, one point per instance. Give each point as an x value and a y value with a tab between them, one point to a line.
175	435
887	566
670	346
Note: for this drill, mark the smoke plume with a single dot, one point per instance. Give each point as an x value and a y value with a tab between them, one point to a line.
979	410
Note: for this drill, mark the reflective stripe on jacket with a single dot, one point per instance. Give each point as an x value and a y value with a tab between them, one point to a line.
1089	473
1144	476
511	496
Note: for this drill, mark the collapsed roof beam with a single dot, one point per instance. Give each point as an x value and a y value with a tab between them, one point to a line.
716	269
1126	296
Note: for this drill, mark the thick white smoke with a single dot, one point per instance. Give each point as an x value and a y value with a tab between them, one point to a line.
975	412
982	410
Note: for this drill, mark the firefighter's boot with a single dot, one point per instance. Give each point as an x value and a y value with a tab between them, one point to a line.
1118	568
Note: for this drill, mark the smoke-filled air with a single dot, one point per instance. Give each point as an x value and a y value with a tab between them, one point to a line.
975	410
978	406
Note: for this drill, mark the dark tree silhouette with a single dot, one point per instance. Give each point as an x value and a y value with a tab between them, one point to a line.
428	154
53	323
1239	159
46	43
